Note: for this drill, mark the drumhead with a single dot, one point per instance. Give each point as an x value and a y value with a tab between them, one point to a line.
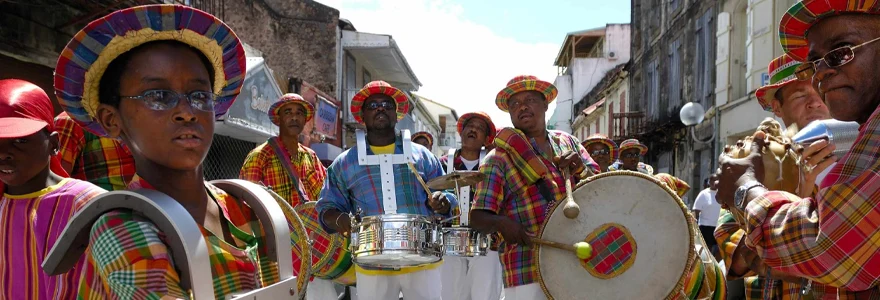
641	236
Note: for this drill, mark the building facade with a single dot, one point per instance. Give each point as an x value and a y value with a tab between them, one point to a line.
607	111
447	120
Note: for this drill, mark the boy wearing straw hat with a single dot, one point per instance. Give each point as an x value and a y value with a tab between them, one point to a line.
631	153
36	200
290	169
830	239
351	187
478	277
525	175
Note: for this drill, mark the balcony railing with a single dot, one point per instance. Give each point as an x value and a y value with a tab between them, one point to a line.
627	125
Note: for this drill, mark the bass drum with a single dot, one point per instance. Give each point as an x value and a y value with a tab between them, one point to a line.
331	259
642	237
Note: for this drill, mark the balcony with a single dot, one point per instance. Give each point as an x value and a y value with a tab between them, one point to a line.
627	125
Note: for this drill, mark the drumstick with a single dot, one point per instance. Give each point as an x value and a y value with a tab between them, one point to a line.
581	249
571	209
419	177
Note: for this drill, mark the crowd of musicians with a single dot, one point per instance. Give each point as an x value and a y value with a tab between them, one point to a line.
142	87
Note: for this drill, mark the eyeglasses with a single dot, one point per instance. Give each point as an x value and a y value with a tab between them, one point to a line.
385	105
631	155
600	152
165	99
833	59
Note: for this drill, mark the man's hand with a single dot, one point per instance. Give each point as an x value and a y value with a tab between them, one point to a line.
736	172
513	232
438	203
814	159
338	221
570	160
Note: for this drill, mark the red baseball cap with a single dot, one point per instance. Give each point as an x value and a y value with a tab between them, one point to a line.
25	109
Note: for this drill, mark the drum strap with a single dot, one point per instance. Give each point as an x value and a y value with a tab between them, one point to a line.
284	156
386	164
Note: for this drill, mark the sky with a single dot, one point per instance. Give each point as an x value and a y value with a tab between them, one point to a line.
465	51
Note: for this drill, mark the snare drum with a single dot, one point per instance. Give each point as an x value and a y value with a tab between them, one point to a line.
465	242
396	240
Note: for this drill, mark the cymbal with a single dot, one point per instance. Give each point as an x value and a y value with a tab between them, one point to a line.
464	178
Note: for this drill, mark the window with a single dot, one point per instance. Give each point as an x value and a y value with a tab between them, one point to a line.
675	89
705	58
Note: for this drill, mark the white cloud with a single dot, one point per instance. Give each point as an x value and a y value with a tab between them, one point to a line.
460	63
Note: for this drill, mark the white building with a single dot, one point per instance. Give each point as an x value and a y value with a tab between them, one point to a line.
583	60
748	39
447	119
608	112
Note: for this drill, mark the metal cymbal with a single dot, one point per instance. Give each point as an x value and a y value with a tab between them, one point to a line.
464	178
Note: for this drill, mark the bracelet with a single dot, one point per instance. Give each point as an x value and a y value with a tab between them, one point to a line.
337	220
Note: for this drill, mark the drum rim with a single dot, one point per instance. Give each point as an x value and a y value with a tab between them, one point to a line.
469	252
689	220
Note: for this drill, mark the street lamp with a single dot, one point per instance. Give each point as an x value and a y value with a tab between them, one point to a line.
692	114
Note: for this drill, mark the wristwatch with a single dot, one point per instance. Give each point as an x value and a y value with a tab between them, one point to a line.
739	197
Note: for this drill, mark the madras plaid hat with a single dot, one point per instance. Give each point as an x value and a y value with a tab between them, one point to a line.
25	109
423	134
490	136
602	139
676	185
782	72
287	99
633	143
524	83
804	14
379	87
85	58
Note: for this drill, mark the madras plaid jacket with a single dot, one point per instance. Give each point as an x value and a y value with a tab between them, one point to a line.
833	238
350	186
104	162
505	192
264	166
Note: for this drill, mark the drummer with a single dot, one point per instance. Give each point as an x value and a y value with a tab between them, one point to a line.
524	178
289	168
351	187
158	84
602	149
424	138
471	277
631	153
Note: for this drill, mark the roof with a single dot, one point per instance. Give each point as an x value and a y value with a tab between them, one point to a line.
582	41
437	108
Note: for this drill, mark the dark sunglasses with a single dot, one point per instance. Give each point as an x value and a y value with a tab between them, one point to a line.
165	99
600	152
385	105
631	155
833	59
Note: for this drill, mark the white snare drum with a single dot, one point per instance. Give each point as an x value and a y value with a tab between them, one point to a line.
465	242
396	240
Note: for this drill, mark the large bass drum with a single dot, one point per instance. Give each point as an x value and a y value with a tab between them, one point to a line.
642	236
331	258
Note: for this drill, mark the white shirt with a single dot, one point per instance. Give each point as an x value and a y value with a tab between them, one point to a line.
470	164
708	207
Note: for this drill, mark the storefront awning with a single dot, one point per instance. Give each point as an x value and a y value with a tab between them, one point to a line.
248	118
590	109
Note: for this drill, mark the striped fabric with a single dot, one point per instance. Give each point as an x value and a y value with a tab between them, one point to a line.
804	14
93	48
104	162
507	192
524	83
263	166
31	224
128	258
833	238
379	87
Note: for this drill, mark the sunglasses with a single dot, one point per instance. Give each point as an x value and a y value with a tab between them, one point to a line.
376	105
833	59
631	155
165	99
599	152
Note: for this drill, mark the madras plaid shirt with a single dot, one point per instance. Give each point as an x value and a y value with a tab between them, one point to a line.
350	186
264	166
833	238
505	192
129	259
104	162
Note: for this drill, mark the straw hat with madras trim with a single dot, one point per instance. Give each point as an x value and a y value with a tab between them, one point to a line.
802	15
379	87
85	58
602	139
633	143
524	83
423	134
490	135
288	99
782	72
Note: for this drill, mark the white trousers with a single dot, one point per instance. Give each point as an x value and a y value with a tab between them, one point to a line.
421	285
472	278
321	289
525	292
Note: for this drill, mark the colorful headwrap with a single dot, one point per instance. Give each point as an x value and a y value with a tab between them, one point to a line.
379	87
85	58
524	83
287	99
